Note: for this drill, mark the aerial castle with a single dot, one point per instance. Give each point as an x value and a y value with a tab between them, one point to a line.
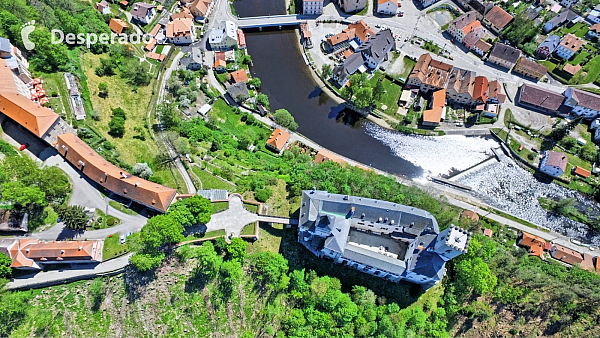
384	239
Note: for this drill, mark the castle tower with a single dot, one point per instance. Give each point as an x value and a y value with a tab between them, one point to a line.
452	242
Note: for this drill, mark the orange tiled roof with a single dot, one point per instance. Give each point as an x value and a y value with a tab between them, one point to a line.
571	69
471	27
155	56
324	156
480	89
572	42
220	63
588	262
567	255
498	17
117	25
430	71
487	232
434	114
582	172
155	30
470	214
150	46
109	176
362	31
179	27
535	244
278	139
238	76
184	14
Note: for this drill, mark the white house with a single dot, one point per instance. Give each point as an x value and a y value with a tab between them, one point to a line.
312	7
553	163
594	15
583	103
102	7
387	7
224	37
143	12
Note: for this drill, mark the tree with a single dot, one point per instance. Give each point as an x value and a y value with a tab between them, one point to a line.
116	126
237	249
262	99
209	262
273	269
142	170
159	231
565	206
255	82
137	73
475	274
262	194
588	152
231	274
378	90
144	262
246	59
326	70
285	119
103	90
364	98
18	193
5	262
54	183
74	216
568	142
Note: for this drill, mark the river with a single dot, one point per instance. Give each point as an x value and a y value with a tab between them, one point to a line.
286	80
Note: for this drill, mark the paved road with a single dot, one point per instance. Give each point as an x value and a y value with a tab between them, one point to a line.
76	272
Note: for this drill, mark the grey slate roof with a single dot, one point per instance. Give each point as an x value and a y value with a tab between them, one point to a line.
374	259
378	45
349	66
4	45
506	53
141	9
238	90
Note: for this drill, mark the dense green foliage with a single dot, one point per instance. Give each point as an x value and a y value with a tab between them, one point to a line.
5	262
74	216
117	123
285	119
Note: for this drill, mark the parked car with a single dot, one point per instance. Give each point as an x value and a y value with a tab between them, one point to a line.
535	150
377	26
122	239
24	146
521	147
401	14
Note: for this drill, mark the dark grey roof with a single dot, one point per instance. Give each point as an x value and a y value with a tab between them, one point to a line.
374	259
551	42
340	231
531	13
560	19
194	57
4	45
506	53
141	9
237	89
429	264
378	45
349	66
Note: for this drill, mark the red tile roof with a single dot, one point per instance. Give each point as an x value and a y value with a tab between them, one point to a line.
498	17
471	215
324	156
107	175
557	159
572	42
480	89
567	255
155	56
582	172
362	31
238	76
117	25
278	139
571	69
534	243
488	232
434	115
588	262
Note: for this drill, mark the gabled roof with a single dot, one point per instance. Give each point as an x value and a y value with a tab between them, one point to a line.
506	53
588	262
381	2
464	20
534	243
498	17
480	89
582	172
278	138
557	159
117	25
532	66
474	35
495	91
25	112
155	30
571	69
238	76
434	115
200	7
349	66
104	173
184	14
430	71
595	28
362	31
179	28
5	45
572	42
379	45
141	9
549	44
483	45
461	81
238	91
324	156
567	255
540	97
586	99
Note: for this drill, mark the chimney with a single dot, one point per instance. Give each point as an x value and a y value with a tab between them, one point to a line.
137	183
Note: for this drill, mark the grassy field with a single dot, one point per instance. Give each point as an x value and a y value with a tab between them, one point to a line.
55	83
207	234
113	248
103	221
249	229
391	95
409	64
251	207
211	182
135	103
219	206
580	57
579	30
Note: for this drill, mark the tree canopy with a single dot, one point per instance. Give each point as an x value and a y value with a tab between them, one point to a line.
285	119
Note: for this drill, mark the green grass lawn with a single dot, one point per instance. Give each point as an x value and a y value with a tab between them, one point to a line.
159	49
591	70
103	221
249	229
391	95
251	207
409	64
113	248
579	29
135	210
55	83
219	206
211	182
208	234
580	57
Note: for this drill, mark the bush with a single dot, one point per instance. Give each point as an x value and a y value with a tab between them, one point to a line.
262	195
111	221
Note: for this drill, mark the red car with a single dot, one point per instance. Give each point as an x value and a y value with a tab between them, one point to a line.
23	146
521	147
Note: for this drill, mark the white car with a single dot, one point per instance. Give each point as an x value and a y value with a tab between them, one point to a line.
122	239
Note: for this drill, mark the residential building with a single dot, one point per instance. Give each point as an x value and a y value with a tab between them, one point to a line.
473	37
408	97
530	68
504	55
480	89
594	16
568	3
117	25
180	31
150	45
381	238
437	111
113	179
342	71
539	99
426	3
5	48
277	140
377	48
224	37
548	46
238	76
566	255
34	254
594	31
312	7
351	6
157	28
463	25
220	62
583	102
480	7
535	245
481	47
193	60
143	12
238	91
362	31
553	163
341	40
155	56
571	69
429	74
460	86
183	14
324	156
495	93
569	45
581	172
491	110
102	7
387	7
566	16
201	9
497	19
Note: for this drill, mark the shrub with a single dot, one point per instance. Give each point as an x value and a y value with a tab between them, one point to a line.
262	195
